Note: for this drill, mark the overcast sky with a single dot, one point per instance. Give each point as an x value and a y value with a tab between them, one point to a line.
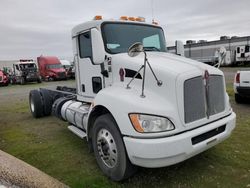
29	28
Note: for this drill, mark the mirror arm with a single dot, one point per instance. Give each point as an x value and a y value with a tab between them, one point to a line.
128	87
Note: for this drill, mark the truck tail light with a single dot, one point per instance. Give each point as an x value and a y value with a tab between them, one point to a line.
237	78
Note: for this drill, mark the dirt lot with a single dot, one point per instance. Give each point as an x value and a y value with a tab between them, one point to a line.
48	145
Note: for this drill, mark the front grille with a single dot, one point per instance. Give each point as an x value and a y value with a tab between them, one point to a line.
216	95
1	78
197	103
61	75
207	135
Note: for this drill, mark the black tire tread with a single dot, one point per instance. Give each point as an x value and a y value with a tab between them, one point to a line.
124	169
47	102
38	103
239	99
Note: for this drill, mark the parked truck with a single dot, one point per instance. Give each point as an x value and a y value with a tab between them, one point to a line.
4	80
25	70
69	68
51	68
136	104
242	86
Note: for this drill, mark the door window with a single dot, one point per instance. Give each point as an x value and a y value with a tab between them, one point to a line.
85	47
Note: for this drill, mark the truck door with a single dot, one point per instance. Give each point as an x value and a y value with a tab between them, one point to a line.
90	79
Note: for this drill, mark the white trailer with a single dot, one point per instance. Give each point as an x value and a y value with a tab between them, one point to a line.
136	104
228	51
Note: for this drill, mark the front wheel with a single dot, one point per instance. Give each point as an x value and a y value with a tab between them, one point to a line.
109	149
239	99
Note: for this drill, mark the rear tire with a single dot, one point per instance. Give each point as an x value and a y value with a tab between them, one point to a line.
47	102
36	103
109	149
239	99
57	106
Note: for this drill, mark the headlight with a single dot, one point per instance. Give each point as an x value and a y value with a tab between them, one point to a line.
149	123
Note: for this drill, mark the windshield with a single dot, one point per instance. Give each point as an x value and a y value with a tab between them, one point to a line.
118	37
27	66
54	66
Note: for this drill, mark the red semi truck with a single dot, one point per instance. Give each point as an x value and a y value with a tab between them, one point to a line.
51	68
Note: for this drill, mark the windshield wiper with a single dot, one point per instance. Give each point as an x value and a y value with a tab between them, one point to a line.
151	48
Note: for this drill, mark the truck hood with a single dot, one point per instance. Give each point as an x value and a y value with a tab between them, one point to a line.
167	62
168	100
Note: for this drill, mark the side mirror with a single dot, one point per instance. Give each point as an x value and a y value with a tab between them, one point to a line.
97	47
135	49
179	48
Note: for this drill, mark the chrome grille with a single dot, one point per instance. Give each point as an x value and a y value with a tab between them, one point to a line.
61	75
216	94
194	99
196	106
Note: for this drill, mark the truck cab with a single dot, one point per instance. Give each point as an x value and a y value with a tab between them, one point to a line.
25	71
51	68
137	104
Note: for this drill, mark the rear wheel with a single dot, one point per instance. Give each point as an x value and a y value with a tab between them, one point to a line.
57	106
47	102
36	103
109	149
239	99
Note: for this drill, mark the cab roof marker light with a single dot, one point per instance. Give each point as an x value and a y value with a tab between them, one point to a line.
98	17
123	18
140	19
131	18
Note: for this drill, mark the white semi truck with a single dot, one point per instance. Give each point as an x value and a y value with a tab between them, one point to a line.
136	104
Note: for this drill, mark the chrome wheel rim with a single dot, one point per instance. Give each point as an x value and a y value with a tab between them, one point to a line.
106	147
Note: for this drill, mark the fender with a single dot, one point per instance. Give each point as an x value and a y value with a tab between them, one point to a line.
116	97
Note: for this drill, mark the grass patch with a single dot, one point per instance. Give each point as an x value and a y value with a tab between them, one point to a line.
47	144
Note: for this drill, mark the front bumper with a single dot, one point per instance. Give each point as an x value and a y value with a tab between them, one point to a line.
160	152
32	77
243	91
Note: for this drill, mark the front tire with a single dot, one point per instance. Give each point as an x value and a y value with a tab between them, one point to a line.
39	80
239	99
109	149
